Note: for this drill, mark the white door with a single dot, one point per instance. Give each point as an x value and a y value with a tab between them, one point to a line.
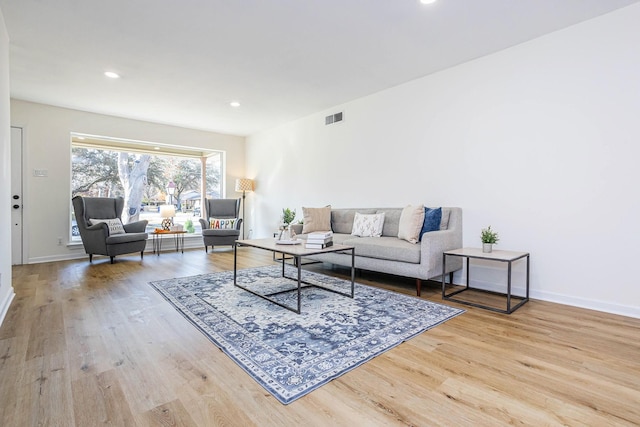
16	196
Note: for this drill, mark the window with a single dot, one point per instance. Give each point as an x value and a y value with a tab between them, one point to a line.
147	176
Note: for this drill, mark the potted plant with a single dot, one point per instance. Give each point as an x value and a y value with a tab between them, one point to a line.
288	216
489	238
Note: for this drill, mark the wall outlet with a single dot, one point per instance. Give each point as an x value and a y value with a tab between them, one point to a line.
59	241
40	172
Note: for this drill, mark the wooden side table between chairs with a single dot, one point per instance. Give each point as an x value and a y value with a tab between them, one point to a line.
178	240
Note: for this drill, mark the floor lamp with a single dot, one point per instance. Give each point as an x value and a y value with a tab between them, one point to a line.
242	186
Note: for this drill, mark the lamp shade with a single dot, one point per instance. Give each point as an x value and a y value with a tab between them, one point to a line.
167	211
244	184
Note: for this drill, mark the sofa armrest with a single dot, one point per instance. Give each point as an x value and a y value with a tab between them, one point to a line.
204	223
433	245
136	227
238	223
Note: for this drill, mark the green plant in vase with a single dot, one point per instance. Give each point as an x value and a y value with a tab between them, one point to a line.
488	238
288	216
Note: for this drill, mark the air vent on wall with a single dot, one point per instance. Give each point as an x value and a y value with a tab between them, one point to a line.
333	118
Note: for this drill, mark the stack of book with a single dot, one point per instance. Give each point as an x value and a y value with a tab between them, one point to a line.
319	240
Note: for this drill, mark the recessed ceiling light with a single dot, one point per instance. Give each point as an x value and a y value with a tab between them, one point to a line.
112	75
234	104
427	1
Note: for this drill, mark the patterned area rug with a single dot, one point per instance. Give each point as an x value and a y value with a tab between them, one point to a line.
291	354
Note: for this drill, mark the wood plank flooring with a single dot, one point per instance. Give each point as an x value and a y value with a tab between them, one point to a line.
93	344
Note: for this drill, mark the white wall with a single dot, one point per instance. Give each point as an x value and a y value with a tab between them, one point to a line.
6	290
539	141
47	146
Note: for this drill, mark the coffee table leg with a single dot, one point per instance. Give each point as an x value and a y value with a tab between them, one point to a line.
235	263
353	271
297	258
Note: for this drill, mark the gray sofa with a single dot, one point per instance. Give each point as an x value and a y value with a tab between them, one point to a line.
388	253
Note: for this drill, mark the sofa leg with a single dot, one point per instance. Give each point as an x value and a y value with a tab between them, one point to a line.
141	254
418	286
112	259
206	249
90	257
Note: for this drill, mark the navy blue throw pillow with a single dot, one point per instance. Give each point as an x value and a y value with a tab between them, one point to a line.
432	218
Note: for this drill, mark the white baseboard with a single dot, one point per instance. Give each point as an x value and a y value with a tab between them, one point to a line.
189	243
55	258
520	290
4	305
623	310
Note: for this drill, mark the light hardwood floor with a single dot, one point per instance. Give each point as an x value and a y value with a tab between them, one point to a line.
91	344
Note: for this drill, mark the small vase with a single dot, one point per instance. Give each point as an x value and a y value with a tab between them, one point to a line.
487	248
285	234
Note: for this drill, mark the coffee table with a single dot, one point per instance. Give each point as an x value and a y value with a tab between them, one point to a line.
297	252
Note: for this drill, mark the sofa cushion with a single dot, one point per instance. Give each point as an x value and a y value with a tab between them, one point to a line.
367	225
221	232
411	221
114	224
432	220
391	221
390	248
339	238
316	219
342	219
126	238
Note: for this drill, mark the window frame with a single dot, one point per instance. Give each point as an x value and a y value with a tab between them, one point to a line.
81	140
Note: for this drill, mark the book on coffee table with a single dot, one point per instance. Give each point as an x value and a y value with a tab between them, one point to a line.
320	235
318	245
321	241
288	242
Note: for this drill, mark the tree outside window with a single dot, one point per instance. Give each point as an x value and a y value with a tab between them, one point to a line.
142	179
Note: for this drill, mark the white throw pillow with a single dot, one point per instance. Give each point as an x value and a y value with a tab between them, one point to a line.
368	225
114	224
411	220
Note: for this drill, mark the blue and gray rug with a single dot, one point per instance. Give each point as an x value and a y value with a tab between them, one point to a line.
291	354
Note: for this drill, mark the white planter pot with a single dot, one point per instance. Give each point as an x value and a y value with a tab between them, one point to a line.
487	248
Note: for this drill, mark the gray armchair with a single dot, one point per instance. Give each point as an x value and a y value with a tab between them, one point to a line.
96	238
220	209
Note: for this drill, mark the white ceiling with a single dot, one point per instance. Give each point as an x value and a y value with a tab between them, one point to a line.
183	61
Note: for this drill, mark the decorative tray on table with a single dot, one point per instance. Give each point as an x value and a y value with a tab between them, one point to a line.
288	242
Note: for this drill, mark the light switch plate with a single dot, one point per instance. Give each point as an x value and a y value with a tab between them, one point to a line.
40	172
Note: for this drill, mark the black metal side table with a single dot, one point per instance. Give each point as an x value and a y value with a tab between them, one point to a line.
178	240
500	256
